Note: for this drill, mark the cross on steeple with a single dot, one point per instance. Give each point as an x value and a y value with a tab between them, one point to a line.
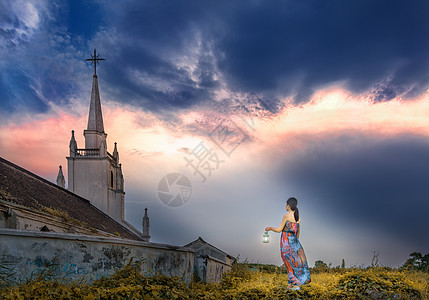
94	61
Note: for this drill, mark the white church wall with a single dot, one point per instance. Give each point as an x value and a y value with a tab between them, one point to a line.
90	179
80	256
115	204
93	139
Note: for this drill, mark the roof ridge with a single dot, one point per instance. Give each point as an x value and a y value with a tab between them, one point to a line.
11	164
200	238
28	173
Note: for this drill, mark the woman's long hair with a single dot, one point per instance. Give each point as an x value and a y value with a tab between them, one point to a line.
293	203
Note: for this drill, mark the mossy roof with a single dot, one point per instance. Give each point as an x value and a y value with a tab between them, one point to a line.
23	187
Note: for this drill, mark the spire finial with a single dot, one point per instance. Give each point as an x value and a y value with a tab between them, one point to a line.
94	61
145	223
72	146
95	117
115	153
60	178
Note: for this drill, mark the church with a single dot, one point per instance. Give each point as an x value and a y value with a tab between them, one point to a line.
93	172
81	227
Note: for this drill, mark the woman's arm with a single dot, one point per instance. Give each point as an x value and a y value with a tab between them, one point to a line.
280	228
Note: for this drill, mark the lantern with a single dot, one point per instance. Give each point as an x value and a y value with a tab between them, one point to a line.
265	237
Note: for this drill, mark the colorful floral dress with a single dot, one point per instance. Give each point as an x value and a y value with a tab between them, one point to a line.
293	255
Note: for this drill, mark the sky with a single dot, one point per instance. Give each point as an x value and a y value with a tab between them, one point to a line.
252	101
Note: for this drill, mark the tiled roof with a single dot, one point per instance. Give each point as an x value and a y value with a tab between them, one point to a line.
22	187
200	240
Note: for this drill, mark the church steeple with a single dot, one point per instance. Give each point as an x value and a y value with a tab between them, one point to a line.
94	173
94	134
95	118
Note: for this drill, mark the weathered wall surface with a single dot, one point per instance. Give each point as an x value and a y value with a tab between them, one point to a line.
215	270
203	248
16	216
210	269
75	256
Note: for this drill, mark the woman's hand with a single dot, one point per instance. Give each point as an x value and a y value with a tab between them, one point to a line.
280	228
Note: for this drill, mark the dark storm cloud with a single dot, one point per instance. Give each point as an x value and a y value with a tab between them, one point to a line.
379	184
177	89
168	55
150	37
278	49
299	46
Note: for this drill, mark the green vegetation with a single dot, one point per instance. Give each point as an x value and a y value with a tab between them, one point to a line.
64	216
417	262
245	281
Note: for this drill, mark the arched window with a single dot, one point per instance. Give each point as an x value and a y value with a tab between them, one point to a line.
111	179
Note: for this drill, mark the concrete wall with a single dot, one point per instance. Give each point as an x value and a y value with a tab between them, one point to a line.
15	216
210	269
216	269
80	256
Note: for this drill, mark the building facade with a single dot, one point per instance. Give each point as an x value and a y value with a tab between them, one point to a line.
93	172
82	226
210	263
96	174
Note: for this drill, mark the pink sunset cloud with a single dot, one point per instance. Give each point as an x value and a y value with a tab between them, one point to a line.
38	145
335	111
42	145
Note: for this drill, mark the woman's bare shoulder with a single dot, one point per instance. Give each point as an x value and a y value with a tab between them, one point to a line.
287	217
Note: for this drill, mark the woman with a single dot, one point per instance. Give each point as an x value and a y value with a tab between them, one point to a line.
291	250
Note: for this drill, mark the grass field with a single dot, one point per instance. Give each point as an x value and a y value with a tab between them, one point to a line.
240	283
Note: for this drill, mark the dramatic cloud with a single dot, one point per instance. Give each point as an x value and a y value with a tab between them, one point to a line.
299	47
281	50
164	56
